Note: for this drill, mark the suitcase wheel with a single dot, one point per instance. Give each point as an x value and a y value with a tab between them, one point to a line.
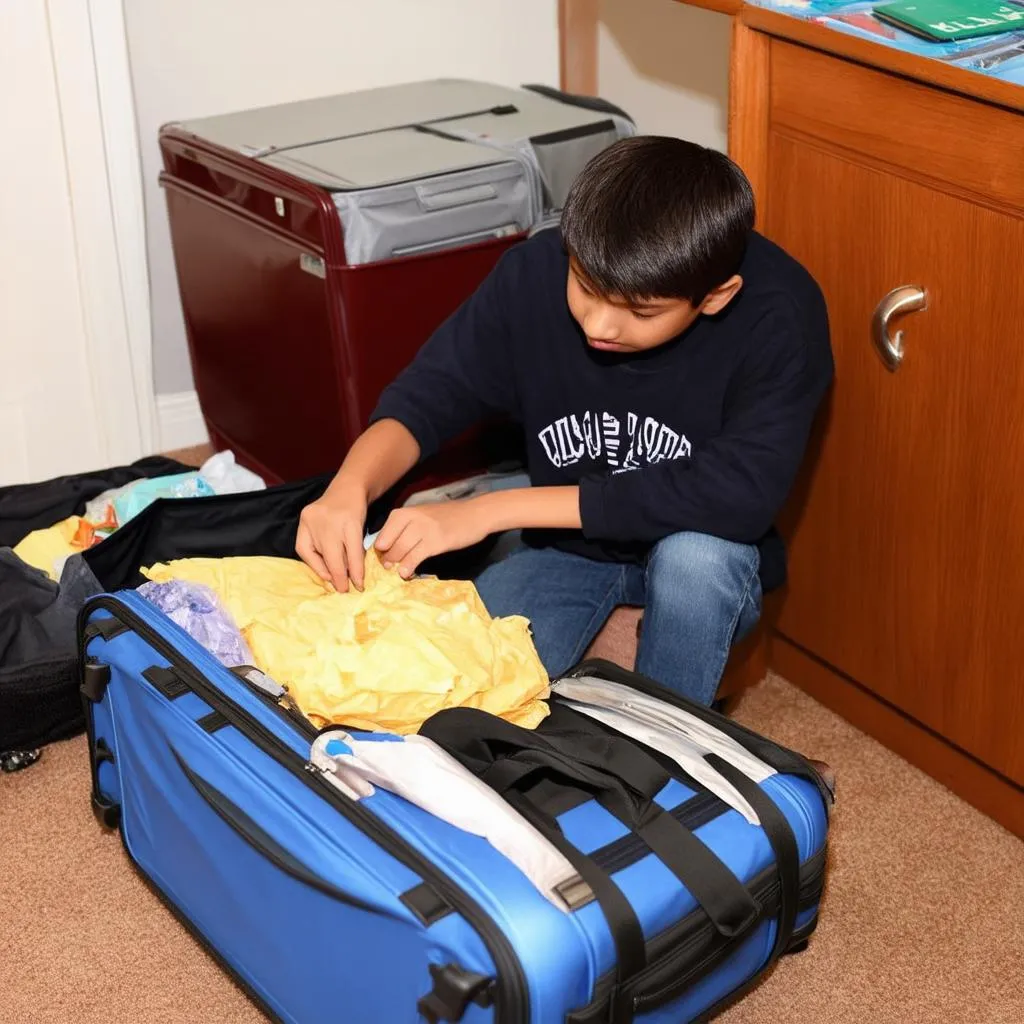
106	813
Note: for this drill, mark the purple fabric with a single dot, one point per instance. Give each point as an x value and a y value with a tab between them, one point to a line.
196	609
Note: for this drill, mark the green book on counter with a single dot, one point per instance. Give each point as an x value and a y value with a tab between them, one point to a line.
949	20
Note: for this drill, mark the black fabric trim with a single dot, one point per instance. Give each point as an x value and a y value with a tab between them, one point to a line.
95	678
107	629
426	903
166	681
626	931
569	134
628	849
556	798
212	722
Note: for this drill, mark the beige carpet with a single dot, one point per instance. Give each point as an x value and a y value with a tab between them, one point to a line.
923	919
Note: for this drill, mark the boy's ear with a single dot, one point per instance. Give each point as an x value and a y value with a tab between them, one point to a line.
720	297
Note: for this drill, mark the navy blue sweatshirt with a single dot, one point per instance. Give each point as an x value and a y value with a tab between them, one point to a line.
704	433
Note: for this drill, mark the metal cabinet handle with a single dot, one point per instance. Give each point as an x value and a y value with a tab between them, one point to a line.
905	299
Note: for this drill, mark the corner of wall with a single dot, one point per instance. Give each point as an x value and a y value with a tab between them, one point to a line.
180	422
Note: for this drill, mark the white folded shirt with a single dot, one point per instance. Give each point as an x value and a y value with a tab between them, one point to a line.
416	768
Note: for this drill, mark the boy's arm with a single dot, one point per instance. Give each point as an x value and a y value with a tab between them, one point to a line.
380	457
412	535
733	486
330	535
463	374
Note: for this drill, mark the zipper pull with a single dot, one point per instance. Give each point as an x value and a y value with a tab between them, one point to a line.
259	680
277	692
289	703
342	776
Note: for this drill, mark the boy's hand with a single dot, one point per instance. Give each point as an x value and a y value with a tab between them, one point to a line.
412	535
330	537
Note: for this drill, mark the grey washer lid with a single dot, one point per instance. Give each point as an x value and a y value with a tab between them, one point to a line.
288	125
383	158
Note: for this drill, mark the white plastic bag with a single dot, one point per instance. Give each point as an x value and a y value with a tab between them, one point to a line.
225	476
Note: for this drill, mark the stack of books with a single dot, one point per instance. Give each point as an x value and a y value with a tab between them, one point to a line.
952	20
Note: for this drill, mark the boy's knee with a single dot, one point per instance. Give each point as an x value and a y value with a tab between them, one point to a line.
694	563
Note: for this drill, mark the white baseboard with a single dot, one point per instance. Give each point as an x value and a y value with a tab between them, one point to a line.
179	421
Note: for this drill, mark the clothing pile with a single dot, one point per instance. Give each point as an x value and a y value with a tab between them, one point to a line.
49	532
382	659
49	548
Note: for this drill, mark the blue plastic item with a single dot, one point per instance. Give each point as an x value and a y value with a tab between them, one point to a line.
141	495
327	908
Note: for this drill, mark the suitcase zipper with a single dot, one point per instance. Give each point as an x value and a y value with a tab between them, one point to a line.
670	973
276	695
511	1000
621	853
661	981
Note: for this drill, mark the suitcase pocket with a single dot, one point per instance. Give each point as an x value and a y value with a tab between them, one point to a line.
250	832
680	958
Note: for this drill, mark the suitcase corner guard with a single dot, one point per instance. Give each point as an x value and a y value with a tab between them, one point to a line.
454	989
106	813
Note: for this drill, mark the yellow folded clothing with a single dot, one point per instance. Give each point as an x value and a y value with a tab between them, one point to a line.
47	549
383	659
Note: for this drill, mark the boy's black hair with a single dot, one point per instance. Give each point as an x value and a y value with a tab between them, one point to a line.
656	217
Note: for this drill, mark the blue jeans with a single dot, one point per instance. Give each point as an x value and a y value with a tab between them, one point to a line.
700	595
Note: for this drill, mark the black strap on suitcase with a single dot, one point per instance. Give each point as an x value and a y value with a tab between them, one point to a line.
573	751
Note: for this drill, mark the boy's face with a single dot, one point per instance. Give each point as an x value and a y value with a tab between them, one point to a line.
611	324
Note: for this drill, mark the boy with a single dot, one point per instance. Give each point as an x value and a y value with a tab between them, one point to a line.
666	363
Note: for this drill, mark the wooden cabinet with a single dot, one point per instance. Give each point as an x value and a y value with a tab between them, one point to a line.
905	605
880	169
908	557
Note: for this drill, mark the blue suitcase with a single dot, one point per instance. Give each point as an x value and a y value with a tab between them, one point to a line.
328	908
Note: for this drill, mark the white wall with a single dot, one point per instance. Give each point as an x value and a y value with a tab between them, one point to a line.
193	58
44	384
667	64
69	201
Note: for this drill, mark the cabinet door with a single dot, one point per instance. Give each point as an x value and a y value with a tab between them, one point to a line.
907	532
